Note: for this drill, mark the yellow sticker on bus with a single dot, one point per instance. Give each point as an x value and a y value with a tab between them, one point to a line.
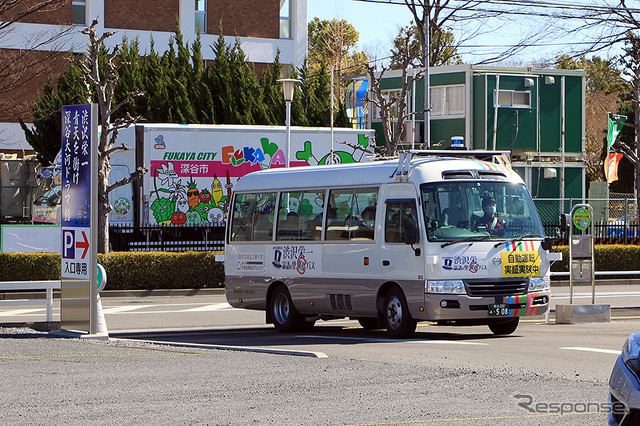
520	264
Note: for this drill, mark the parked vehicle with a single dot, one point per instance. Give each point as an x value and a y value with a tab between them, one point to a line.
17	184
425	237
624	385
193	168
616	228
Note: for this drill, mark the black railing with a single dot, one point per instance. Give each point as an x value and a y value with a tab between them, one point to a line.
166	238
211	238
613	232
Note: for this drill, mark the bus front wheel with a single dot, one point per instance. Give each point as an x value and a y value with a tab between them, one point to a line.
504	327
397	318
284	315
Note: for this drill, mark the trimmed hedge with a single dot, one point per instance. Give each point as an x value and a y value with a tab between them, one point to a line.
186	270
610	257
125	270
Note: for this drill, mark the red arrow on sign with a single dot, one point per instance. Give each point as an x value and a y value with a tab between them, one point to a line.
83	245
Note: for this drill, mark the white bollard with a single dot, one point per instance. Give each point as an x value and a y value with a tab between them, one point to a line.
101	326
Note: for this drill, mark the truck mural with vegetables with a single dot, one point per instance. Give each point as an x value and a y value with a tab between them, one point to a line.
192	168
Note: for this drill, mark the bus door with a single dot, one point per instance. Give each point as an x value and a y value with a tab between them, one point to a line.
350	260
401	262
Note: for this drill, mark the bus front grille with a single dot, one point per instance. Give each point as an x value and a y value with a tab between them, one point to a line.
489	288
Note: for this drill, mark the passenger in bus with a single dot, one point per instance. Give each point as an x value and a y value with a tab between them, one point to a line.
290	227
453	215
366	229
489	220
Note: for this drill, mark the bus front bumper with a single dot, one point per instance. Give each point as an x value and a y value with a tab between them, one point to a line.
450	307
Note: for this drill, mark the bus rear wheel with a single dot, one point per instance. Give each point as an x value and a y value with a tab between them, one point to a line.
397	318
285	316
504	327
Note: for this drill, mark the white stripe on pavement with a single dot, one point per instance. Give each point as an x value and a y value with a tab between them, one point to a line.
120	309
436	342
602	351
208	308
15	312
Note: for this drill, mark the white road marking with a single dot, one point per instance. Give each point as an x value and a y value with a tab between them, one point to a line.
15	312
435	342
127	308
598	294
208	308
602	351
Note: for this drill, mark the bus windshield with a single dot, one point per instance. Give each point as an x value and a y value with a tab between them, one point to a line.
479	210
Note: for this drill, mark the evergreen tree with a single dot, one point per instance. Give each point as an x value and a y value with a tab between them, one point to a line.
131	79
47	122
181	89
155	82
272	94
178	67
201	94
219	80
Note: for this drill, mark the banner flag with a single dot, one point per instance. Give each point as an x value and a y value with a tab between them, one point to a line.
611	166
614	128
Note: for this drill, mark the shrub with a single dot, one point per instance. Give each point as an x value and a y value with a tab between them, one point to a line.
610	257
125	270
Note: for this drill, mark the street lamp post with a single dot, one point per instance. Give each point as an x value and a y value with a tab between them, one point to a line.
288	86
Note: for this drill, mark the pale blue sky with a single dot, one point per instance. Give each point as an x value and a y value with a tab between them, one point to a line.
378	24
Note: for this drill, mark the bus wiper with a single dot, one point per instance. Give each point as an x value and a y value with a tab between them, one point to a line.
518	237
466	240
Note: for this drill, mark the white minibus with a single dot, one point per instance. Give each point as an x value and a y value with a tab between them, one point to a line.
421	238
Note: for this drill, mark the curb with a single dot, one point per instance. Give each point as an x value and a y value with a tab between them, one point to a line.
124	293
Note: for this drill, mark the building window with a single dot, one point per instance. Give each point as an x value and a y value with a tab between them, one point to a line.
201	16
447	101
390	96
78	8
285	18
511	99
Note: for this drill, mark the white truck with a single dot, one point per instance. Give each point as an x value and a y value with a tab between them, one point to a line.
193	168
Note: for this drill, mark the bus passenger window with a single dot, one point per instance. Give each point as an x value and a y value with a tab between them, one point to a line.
352	214
398	216
300	216
252	219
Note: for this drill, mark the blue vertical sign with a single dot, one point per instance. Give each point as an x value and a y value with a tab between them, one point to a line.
76	191
76	165
78	216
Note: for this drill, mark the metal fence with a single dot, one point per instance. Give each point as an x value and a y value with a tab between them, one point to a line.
615	219
166	238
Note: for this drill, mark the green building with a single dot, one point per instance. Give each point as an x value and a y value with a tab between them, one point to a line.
537	114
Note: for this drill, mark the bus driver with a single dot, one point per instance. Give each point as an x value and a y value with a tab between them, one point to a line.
489	220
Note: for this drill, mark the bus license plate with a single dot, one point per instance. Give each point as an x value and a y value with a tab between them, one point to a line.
498	310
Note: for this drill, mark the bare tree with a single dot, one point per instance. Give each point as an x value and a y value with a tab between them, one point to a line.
394	107
605	25
102	83
29	62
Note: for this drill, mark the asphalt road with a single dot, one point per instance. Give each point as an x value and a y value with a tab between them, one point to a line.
542	374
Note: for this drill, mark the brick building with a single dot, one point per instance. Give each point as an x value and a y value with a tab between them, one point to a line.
263	27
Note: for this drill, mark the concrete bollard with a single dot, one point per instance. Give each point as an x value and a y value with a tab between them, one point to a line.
574	314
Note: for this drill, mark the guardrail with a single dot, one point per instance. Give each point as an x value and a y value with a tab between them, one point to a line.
48	286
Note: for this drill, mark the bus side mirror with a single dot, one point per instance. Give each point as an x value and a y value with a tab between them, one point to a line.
565	222
547	244
410	235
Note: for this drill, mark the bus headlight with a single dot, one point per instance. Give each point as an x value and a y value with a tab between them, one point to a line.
445	287
539	284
